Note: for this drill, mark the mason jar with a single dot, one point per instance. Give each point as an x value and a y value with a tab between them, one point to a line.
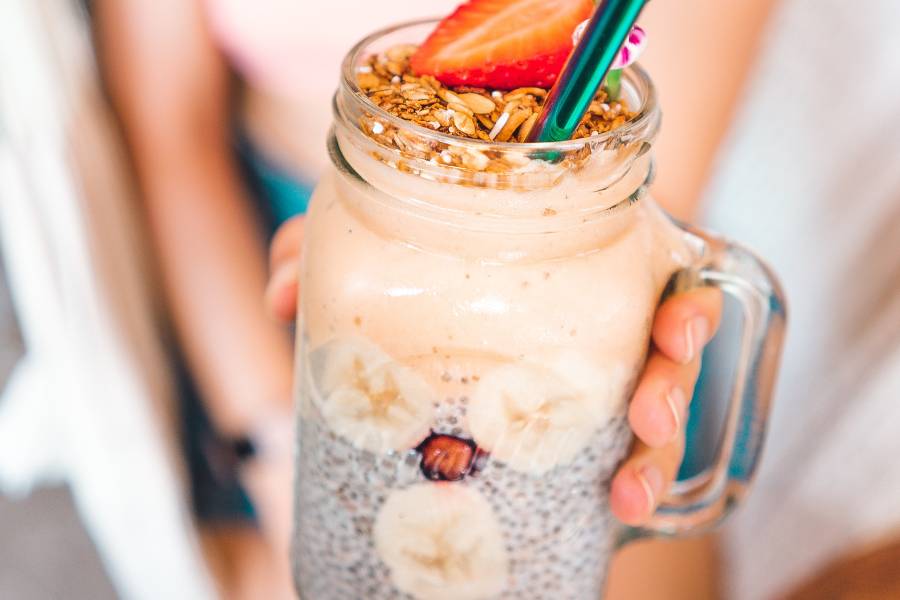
470	332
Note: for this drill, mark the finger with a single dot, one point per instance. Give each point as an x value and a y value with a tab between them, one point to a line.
642	481
286	243
282	292
659	408
685	322
282	289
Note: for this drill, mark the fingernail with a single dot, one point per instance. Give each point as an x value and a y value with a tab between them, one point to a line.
695	332
652	481
677	402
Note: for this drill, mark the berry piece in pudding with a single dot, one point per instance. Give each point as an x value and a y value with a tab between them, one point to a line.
446	457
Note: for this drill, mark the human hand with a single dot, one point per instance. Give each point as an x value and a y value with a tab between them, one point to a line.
683	324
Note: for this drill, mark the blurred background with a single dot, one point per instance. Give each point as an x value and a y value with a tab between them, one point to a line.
45	553
145	143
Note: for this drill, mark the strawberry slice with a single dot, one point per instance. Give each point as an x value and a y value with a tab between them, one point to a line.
502	44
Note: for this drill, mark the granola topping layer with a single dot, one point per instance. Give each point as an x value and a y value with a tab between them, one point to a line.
466	112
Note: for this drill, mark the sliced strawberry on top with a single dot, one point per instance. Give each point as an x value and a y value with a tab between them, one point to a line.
502	44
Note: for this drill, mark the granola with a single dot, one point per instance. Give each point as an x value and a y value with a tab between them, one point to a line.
466	112
476	113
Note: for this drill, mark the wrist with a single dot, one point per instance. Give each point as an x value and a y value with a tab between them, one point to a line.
268	439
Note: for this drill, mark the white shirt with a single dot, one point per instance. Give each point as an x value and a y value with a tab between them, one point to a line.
810	178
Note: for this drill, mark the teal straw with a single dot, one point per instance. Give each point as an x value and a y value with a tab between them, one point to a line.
584	71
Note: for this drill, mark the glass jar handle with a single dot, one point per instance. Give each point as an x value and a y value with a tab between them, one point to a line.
702	501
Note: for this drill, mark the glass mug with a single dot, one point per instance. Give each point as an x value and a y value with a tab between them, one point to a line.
467	345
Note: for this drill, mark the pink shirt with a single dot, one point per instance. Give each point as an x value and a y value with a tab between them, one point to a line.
292	50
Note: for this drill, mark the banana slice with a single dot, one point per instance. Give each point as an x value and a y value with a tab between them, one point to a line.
606	384
368	398
537	416
441	542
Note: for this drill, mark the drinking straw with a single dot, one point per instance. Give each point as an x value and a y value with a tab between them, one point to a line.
584	71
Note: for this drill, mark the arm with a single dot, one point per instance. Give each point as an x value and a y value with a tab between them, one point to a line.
171	89
699	56
711	41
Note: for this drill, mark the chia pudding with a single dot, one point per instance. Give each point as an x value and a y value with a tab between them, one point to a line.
519	534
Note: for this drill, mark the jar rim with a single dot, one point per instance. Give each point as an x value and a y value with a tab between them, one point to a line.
485	221
645	118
